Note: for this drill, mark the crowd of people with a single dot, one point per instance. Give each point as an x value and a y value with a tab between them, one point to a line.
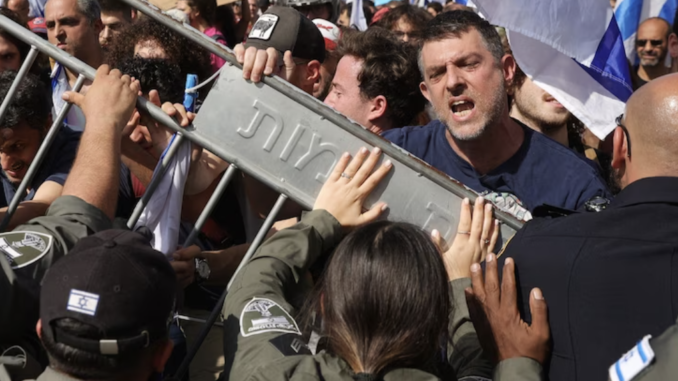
584	291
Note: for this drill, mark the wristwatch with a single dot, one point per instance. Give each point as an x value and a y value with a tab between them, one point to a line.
202	270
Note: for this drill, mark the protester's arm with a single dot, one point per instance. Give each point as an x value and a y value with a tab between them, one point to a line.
476	234
27	210
108	105
278	266
518	348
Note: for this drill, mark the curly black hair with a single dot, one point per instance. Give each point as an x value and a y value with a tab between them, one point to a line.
389	68
32	102
156	74
190	58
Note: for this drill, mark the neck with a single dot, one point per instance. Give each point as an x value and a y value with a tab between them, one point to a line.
558	134
497	144
201	25
95	59
648	73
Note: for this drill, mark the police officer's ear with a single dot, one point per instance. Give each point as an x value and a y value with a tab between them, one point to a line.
619	149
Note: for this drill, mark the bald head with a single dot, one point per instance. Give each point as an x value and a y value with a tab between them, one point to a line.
21	7
652	122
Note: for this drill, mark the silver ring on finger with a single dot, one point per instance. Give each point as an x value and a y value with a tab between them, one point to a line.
461	232
344	175
487	241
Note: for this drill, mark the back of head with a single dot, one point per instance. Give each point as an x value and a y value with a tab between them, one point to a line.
207	9
389	68
156	74
385	298
455	23
105	308
652	122
32	102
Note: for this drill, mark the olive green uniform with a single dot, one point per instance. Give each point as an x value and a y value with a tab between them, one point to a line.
26	253
262	341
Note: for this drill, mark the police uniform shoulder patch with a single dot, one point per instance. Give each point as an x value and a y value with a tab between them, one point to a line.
21	248
290	344
261	315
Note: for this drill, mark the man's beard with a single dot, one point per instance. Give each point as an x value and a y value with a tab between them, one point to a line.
651	62
493	116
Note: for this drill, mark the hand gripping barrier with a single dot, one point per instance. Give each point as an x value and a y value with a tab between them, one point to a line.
275	133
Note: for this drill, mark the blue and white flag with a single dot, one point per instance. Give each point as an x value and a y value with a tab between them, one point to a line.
358	20
573	50
631	13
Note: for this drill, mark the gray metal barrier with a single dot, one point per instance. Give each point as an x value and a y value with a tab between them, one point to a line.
277	134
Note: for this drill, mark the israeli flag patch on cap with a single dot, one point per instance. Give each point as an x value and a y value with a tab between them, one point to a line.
633	362
83	302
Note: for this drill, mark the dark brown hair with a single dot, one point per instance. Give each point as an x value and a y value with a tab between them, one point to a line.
385	299
389	68
190	58
207	9
415	16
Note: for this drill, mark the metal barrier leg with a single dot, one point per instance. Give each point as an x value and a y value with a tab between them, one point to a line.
157	178
25	67
216	195
42	152
268	223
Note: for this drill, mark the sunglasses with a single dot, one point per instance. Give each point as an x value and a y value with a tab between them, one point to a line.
654	43
618	121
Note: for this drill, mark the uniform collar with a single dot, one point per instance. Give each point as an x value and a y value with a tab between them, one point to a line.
662	190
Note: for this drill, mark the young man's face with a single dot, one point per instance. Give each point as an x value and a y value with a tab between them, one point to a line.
537	108
69	29
464	83
345	94
113	23
18	147
10	58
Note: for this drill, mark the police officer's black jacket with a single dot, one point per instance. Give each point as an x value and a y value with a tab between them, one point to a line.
609	278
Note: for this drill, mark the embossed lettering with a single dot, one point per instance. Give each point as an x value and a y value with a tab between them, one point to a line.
292	143
314	150
438	213
262	112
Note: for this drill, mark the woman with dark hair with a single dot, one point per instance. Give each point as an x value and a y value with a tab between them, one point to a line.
391	305
406	21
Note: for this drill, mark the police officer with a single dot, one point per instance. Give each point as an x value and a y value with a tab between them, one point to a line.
87	206
386	299
610	276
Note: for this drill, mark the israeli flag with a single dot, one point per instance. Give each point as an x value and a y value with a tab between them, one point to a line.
83	302
573	50
631	13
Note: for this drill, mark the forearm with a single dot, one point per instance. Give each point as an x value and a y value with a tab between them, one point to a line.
464	351
518	369
223	263
203	173
94	177
26	211
141	166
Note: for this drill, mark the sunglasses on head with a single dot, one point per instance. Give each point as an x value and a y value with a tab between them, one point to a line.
619	123
654	43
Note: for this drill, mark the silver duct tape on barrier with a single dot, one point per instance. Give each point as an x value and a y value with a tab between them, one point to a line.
289	140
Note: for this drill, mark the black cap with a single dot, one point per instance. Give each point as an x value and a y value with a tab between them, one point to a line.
284	28
113	281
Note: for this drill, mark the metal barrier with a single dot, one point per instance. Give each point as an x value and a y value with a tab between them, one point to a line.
277	134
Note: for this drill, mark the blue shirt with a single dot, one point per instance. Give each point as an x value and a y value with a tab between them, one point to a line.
542	171
55	166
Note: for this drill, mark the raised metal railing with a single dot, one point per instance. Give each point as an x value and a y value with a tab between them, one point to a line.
275	133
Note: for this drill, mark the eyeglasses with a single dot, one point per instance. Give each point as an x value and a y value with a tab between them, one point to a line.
618	121
654	43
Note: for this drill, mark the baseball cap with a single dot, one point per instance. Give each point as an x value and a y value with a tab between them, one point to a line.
38	26
284	28
331	33
116	282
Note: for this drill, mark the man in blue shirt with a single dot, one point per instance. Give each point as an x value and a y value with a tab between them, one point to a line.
475	141
22	131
